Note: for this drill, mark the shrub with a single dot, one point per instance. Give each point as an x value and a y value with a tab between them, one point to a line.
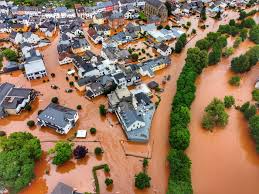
254	34
102	110
194	31
255	95
145	163
31	123
71	83
237	42
244	107
227	52
250	112
80	152
229	101
108	181
62	151
79	107
214	56
98	151
234	81
54	100
93	131
106	168
52	75
142	180
2	133
27	107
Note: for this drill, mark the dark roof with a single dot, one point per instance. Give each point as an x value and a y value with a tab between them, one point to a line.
152	85
62	188
142	98
57	115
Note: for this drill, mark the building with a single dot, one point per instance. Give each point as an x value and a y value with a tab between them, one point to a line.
58	117
35	68
157	8
62	188
163	49
13	99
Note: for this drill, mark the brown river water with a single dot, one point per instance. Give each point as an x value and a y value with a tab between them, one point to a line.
229	165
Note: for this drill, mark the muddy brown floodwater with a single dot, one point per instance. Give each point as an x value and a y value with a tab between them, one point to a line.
78	174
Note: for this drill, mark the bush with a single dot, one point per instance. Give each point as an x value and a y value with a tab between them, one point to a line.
134	57
79	107
145	163
254	34
214	56
102	110
215	115
229	101
54	100
248	23
62	151
31	123
98	151
250	112
71	83
2	133
80	152
237	42
53	75
179	138
106	168
93	131
142	180
10	54
234	81
178	46
108	181
27	107
227	52
254	126
255	95
245	106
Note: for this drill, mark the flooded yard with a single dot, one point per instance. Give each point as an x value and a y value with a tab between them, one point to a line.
238	164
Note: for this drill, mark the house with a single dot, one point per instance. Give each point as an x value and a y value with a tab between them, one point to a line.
79	45
149	67
14	99
163	49
80	85
156	7
116	20
99	19
119	78
31	38
103	29
19	27
5	28
58	117
96	38
118	95
65	58
16	37
35	68
62	188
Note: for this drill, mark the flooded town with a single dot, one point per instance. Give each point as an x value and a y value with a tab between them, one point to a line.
124	97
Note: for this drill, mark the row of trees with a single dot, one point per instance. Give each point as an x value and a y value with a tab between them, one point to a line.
179	137
142	180
244	62
19	152
181	42
249	112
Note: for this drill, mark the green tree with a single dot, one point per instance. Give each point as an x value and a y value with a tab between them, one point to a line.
240	64
142	180
181	116
54	100
108	182
17	160
229	101
62	151
203	13
243	34
237	42
106	168
254	126
93	131
228	51
254	34
27	107
178	46
134	57
250	112
203	44
179	138
255	95
248	23
10	54
98	151
167	27
215	115
234	81
145	163
214	56
244	107
79	107
232	22
30	123
102	110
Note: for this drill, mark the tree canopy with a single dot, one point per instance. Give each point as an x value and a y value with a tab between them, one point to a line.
17	160
62	152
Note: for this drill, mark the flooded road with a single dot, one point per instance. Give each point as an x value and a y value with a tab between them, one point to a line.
78	174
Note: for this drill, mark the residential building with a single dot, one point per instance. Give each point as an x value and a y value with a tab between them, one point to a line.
157	8
58	117
14	99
